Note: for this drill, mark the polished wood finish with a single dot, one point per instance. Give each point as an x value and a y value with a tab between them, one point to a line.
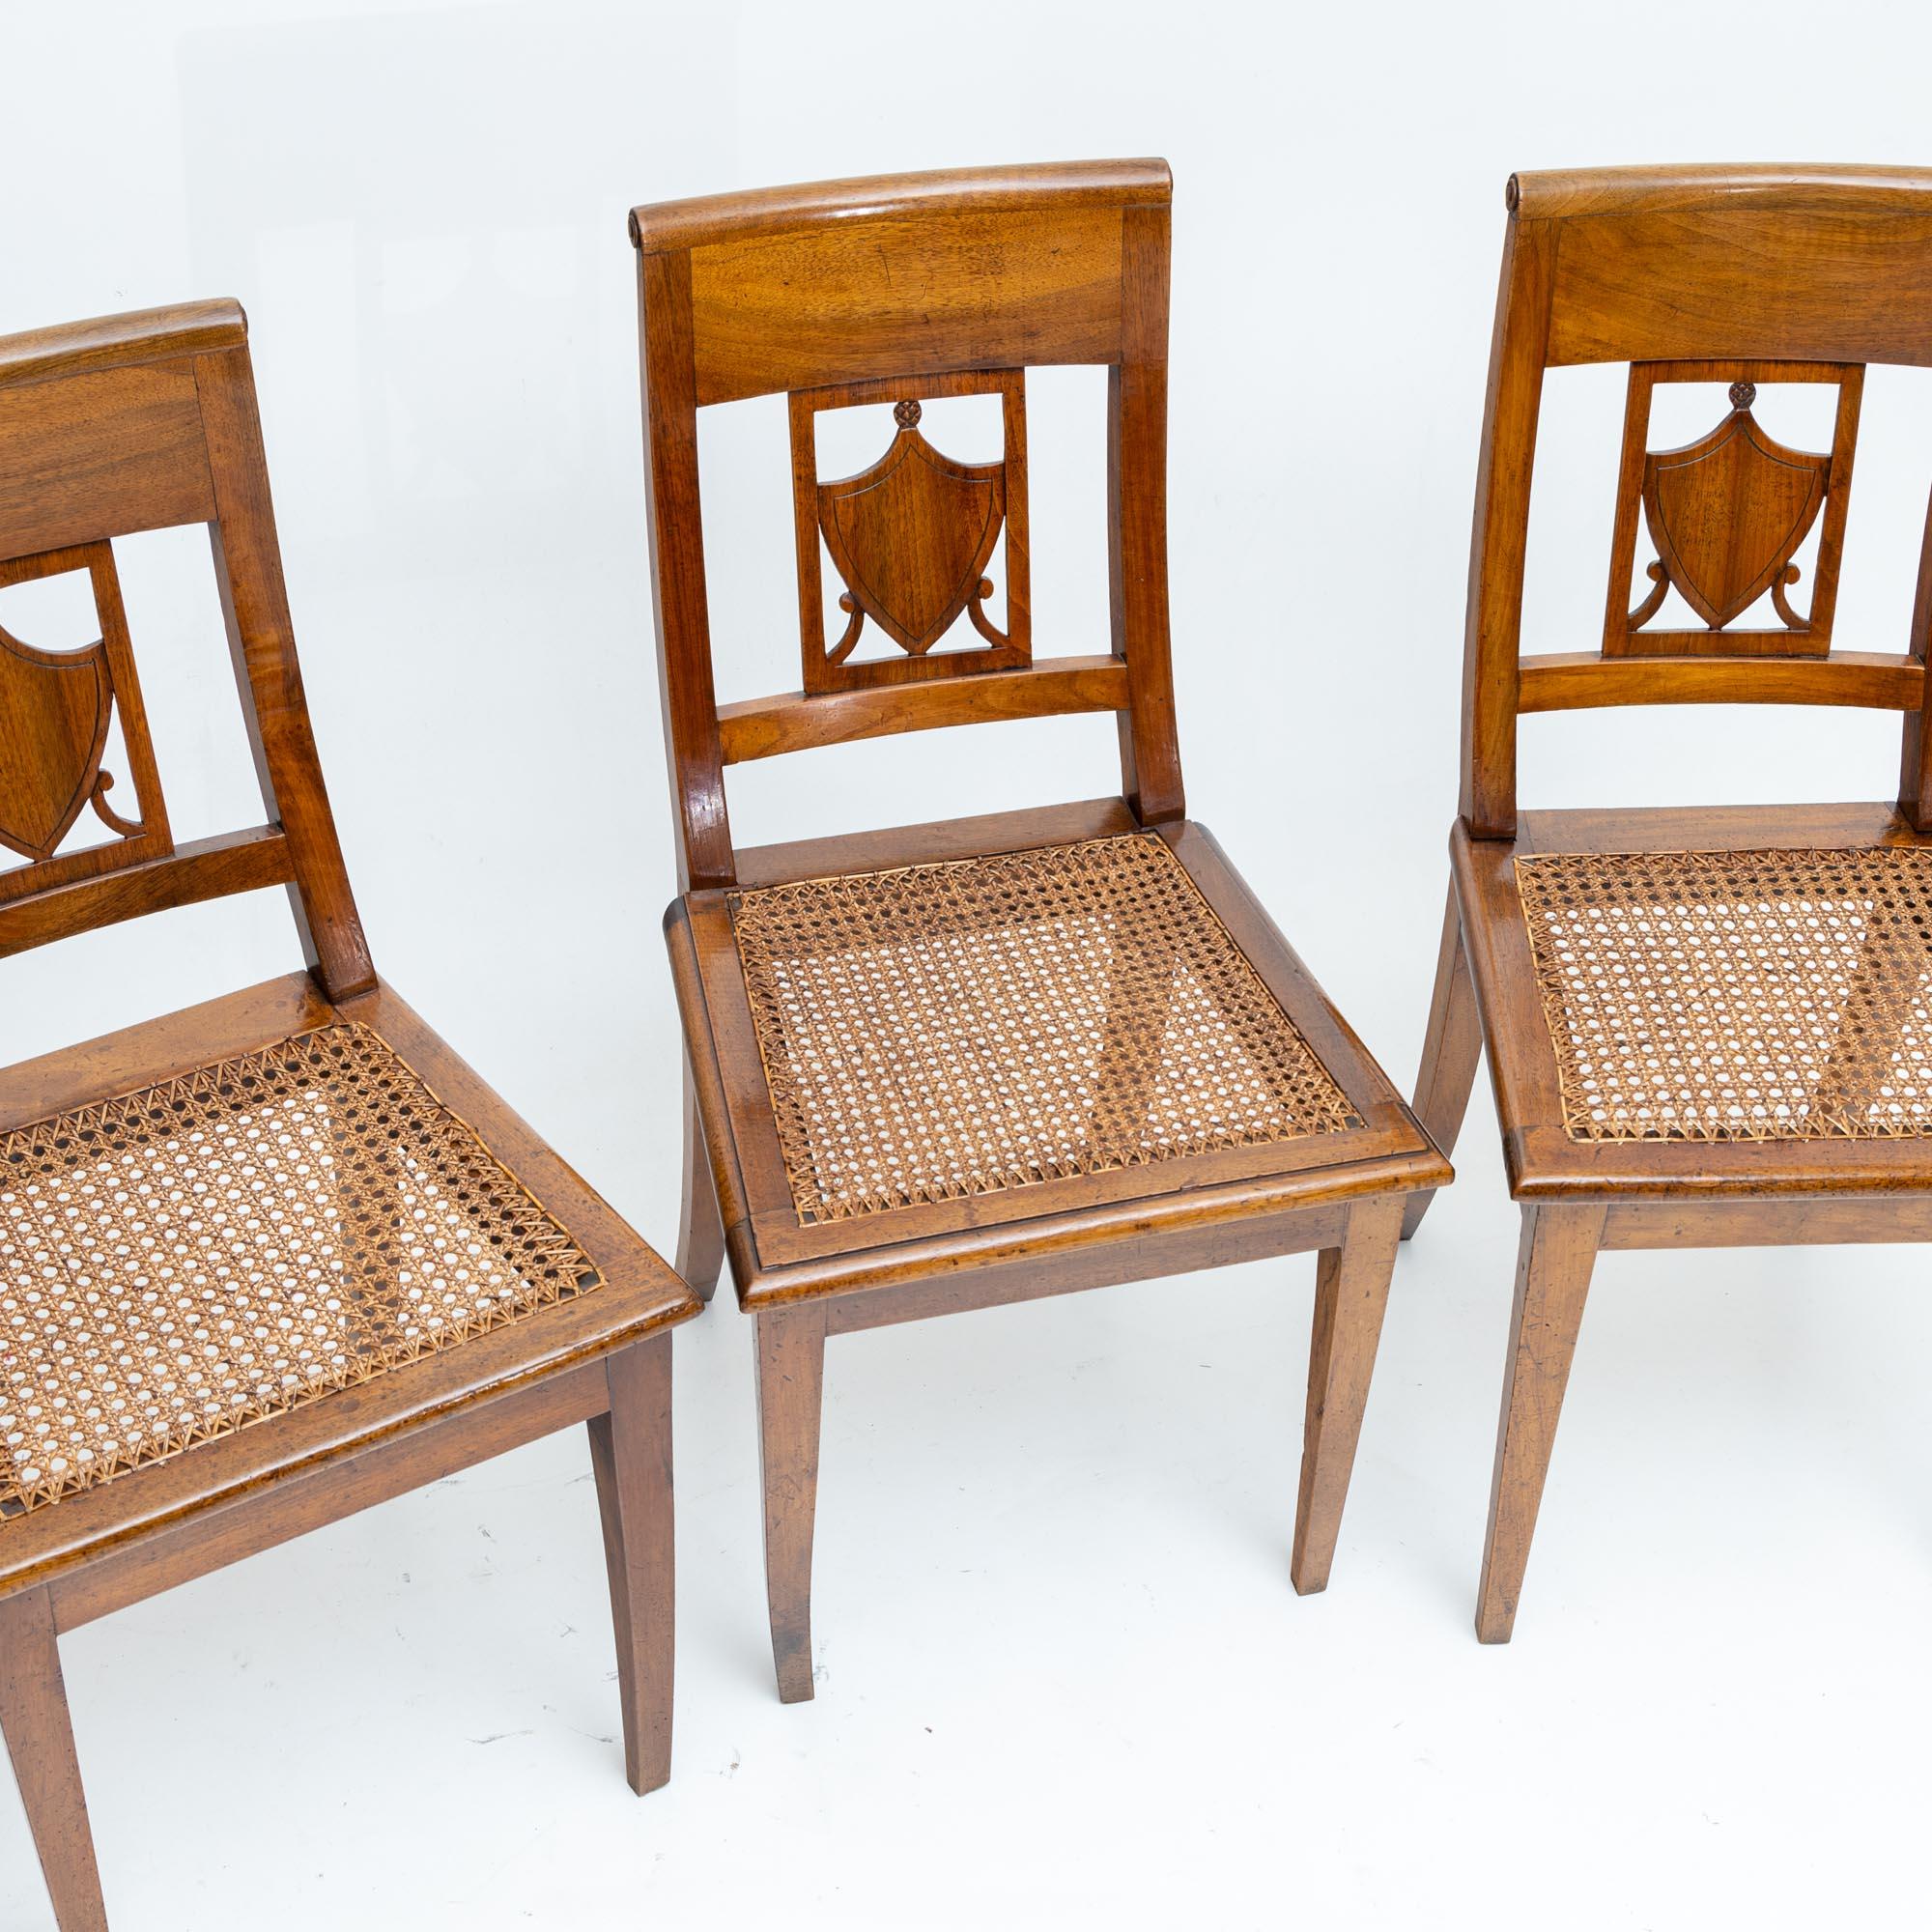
765	727
1451	1050
1583	681
853	281
911	536
630	1457
1351	1285
39	1741
790	1363
132	423
700	1228
1552	1279
60	705
899	290
777	1260
1726	514
101	452
1034	187
135	423
1741	276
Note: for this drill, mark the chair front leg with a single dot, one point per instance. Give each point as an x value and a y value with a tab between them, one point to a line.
1351	1285
1450	1052
700	1227
40	1740
631	1455
1552	1281
791	1385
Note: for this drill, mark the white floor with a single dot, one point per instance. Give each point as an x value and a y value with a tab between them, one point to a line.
1062	1676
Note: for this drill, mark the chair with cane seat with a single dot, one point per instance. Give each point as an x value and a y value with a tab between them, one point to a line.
276	1257
1705	1028
975	1062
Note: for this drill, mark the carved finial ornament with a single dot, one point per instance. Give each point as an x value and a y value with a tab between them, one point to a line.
906	413
1743	395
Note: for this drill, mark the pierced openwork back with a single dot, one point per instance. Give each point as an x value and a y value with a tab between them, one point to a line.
109	428
908	291
1743	278
1725	515
911	538
56	708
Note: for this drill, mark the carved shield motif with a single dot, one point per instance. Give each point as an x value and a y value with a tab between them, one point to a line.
912	534
54	711
1726	513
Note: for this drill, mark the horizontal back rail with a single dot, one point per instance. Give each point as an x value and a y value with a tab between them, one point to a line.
755	213
764	728
902	276
1584	681
102	453
1794	263
203	869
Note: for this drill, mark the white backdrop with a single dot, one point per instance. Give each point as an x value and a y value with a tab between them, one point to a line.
1061	1671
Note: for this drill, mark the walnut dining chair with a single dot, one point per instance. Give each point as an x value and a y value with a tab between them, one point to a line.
1704	1028
276	1258
976	1061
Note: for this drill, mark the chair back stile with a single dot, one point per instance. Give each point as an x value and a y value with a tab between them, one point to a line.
109	428
903	291
1736	276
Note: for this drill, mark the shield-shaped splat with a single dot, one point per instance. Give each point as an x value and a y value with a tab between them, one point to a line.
55	710
1726	513
912	534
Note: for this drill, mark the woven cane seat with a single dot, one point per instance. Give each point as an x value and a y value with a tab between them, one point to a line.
189	1258
967	1027
1756	995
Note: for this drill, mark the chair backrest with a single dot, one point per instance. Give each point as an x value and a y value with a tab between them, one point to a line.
129	423
904	289
1713	274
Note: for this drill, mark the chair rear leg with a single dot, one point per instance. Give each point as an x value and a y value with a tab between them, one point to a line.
791	1386
1552	1281
1351	1285
630	1454
1450	1052
700	1228
40	1740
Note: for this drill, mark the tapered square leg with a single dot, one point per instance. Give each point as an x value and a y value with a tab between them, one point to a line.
631	1455
1451	1052
39	1741
1351	1285
1552	1281
700	1228
791	1386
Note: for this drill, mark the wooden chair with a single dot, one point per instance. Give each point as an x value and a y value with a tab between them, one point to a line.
276	1257
979	1060
1704	1027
